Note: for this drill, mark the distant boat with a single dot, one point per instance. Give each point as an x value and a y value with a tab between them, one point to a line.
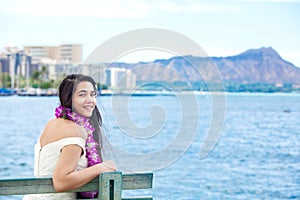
49	92
27	92
7	92
37	92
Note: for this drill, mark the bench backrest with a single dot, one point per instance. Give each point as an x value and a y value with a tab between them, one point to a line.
109	185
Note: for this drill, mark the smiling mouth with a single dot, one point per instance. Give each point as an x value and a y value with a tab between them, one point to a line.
88	107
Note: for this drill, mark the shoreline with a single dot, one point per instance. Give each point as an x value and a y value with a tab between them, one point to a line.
156	93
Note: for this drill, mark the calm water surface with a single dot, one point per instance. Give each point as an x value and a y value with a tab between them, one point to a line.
256	157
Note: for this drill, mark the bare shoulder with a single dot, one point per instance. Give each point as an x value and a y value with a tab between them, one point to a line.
57	129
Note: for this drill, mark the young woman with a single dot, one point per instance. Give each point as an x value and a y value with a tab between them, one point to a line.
67	148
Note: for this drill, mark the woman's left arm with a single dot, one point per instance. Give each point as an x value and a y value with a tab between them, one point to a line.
65	176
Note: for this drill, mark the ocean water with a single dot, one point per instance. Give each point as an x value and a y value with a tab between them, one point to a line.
257	155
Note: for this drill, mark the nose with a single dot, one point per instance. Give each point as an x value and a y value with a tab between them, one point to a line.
90	98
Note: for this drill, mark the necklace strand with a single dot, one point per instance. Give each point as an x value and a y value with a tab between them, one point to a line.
91	145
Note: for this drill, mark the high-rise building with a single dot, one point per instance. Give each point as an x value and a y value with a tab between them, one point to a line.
65	53
53	53
71	53
38	53
120	78
16	64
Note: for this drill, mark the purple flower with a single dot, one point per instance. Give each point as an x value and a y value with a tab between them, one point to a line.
92	153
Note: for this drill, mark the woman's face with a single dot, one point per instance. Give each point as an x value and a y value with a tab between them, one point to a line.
84	99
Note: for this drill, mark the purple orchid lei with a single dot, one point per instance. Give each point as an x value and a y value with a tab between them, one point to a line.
91	145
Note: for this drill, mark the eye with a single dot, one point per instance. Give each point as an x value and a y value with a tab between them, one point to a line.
93	94
81	94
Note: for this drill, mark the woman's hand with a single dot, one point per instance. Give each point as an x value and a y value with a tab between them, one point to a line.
108	166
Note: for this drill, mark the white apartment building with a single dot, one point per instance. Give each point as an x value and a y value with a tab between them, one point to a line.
71	53
39	54
120	78
65	53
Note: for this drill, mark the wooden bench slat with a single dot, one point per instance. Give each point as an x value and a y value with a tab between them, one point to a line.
137	181
137	198
20	186
39	185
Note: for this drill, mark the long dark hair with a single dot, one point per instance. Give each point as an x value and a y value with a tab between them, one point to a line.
65	93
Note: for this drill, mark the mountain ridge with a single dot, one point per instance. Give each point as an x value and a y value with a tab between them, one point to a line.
263	65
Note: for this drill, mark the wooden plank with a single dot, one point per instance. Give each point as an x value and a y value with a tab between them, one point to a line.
137	198
40	185
137	181
19	186
37	185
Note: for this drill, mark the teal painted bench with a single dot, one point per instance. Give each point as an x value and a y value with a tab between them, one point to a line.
109	185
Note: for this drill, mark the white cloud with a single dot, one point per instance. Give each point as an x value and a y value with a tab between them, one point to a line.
88	8
274	1
109	9
194	6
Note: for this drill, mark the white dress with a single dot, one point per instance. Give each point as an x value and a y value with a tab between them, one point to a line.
45	160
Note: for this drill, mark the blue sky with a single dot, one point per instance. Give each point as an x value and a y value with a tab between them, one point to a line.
221	28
